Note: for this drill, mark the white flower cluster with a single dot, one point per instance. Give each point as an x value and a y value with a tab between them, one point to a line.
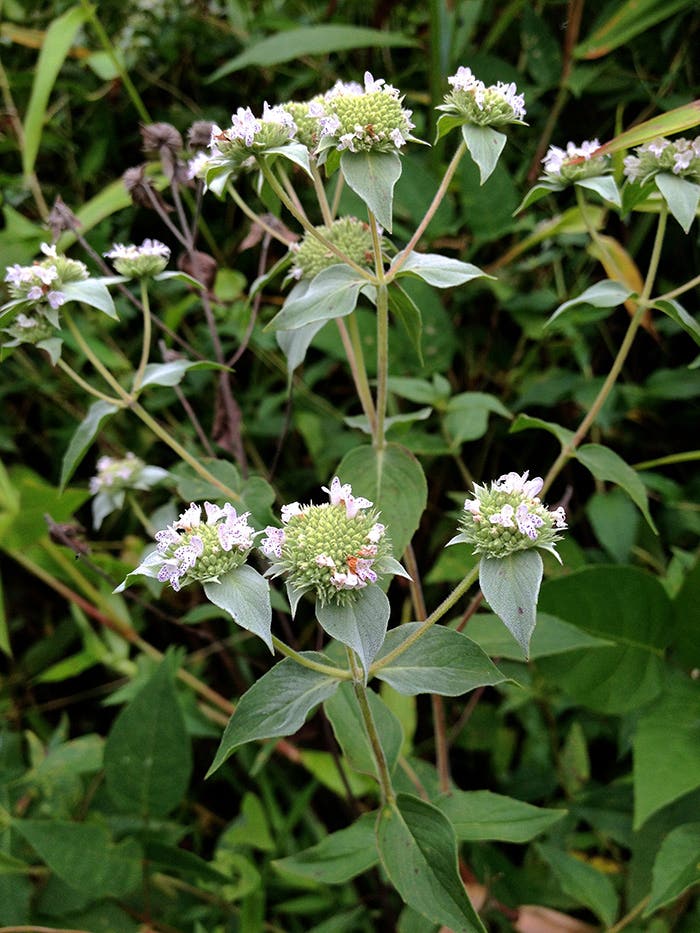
465	80
481	104
679	156
150	258
41	282
556	158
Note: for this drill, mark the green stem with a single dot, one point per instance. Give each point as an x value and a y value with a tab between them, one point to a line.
339	185
434	204
321	194
382	335
78	380
438	613
667	296
256	218
94	359
337	672
619	361
353	350
291	193
146	338
388	795
135	507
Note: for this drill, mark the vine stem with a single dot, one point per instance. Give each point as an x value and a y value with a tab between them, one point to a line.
642	305
447	603
146	338
337	672
388	795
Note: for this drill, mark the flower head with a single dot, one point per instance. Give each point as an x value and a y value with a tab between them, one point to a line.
493	105
191	550
678	157
574	162
509	517
137	262
363	119
41	282
333	549
116	475
350	235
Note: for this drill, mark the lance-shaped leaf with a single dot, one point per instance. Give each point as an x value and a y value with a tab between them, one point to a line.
604	185
276	705
294	152
440	271
511	586
582	882
84	436
245	595
480	815
172	373
418	849
608	466
678	314
682	197
338	857
361	625
440	661
606	294
677	866
295	343
344	715
332	293
407	312
485	145
92	292
372	176
666	124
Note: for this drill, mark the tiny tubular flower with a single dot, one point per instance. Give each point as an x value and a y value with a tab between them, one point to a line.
493	105
352	236
574	162
333	549
508	516
148	259
41	283
678	156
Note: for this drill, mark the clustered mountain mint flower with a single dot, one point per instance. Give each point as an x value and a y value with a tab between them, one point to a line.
363	119
350	235
493	105
334	549
190	550
306	116
679	156
137	262
29	330
574	162
41	282
509	517
116	475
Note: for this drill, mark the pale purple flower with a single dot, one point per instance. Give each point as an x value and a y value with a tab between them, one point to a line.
290	510
528	522
271	544
244	126
504	517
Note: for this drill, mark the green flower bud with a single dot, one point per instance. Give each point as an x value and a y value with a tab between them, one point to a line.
349	234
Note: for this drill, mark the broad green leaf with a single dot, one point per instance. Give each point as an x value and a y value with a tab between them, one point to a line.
83	856
295	343
92	292
9	865
622	605
172	373
394	481
323	766
606	294
441	661
677	866
608	466
678	314
343	712
147	755
585	884
38	498
540	191
681	196
623	21
485	145
447	122
527	422
192	488
250	828
339	857
277	704
481	815
372	176
332	293
56	45
83	437
467	415
319	39
511	586
294	152
361	624
407	312
604	185
551	636
615	521
418	849
173	858
666	749
440	271
245	595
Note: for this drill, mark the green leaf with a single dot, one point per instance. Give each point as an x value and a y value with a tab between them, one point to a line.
540	191
339	857
343	712
677	866
605	294
5	646
666	124
678	314
372	176
622	605
604	185
615	522
551	636
485	145
446	123
295	343
172	374
92	292
293	152
319	39
147	756
441	661
332	293
623	21
192	488
480	815
277	704
407	312
440	271
666	749
83	856
418	849
57	42
585	884
467	415
361	625
527	422
510	586
681	196
608	466
83	437
394	481
245	595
